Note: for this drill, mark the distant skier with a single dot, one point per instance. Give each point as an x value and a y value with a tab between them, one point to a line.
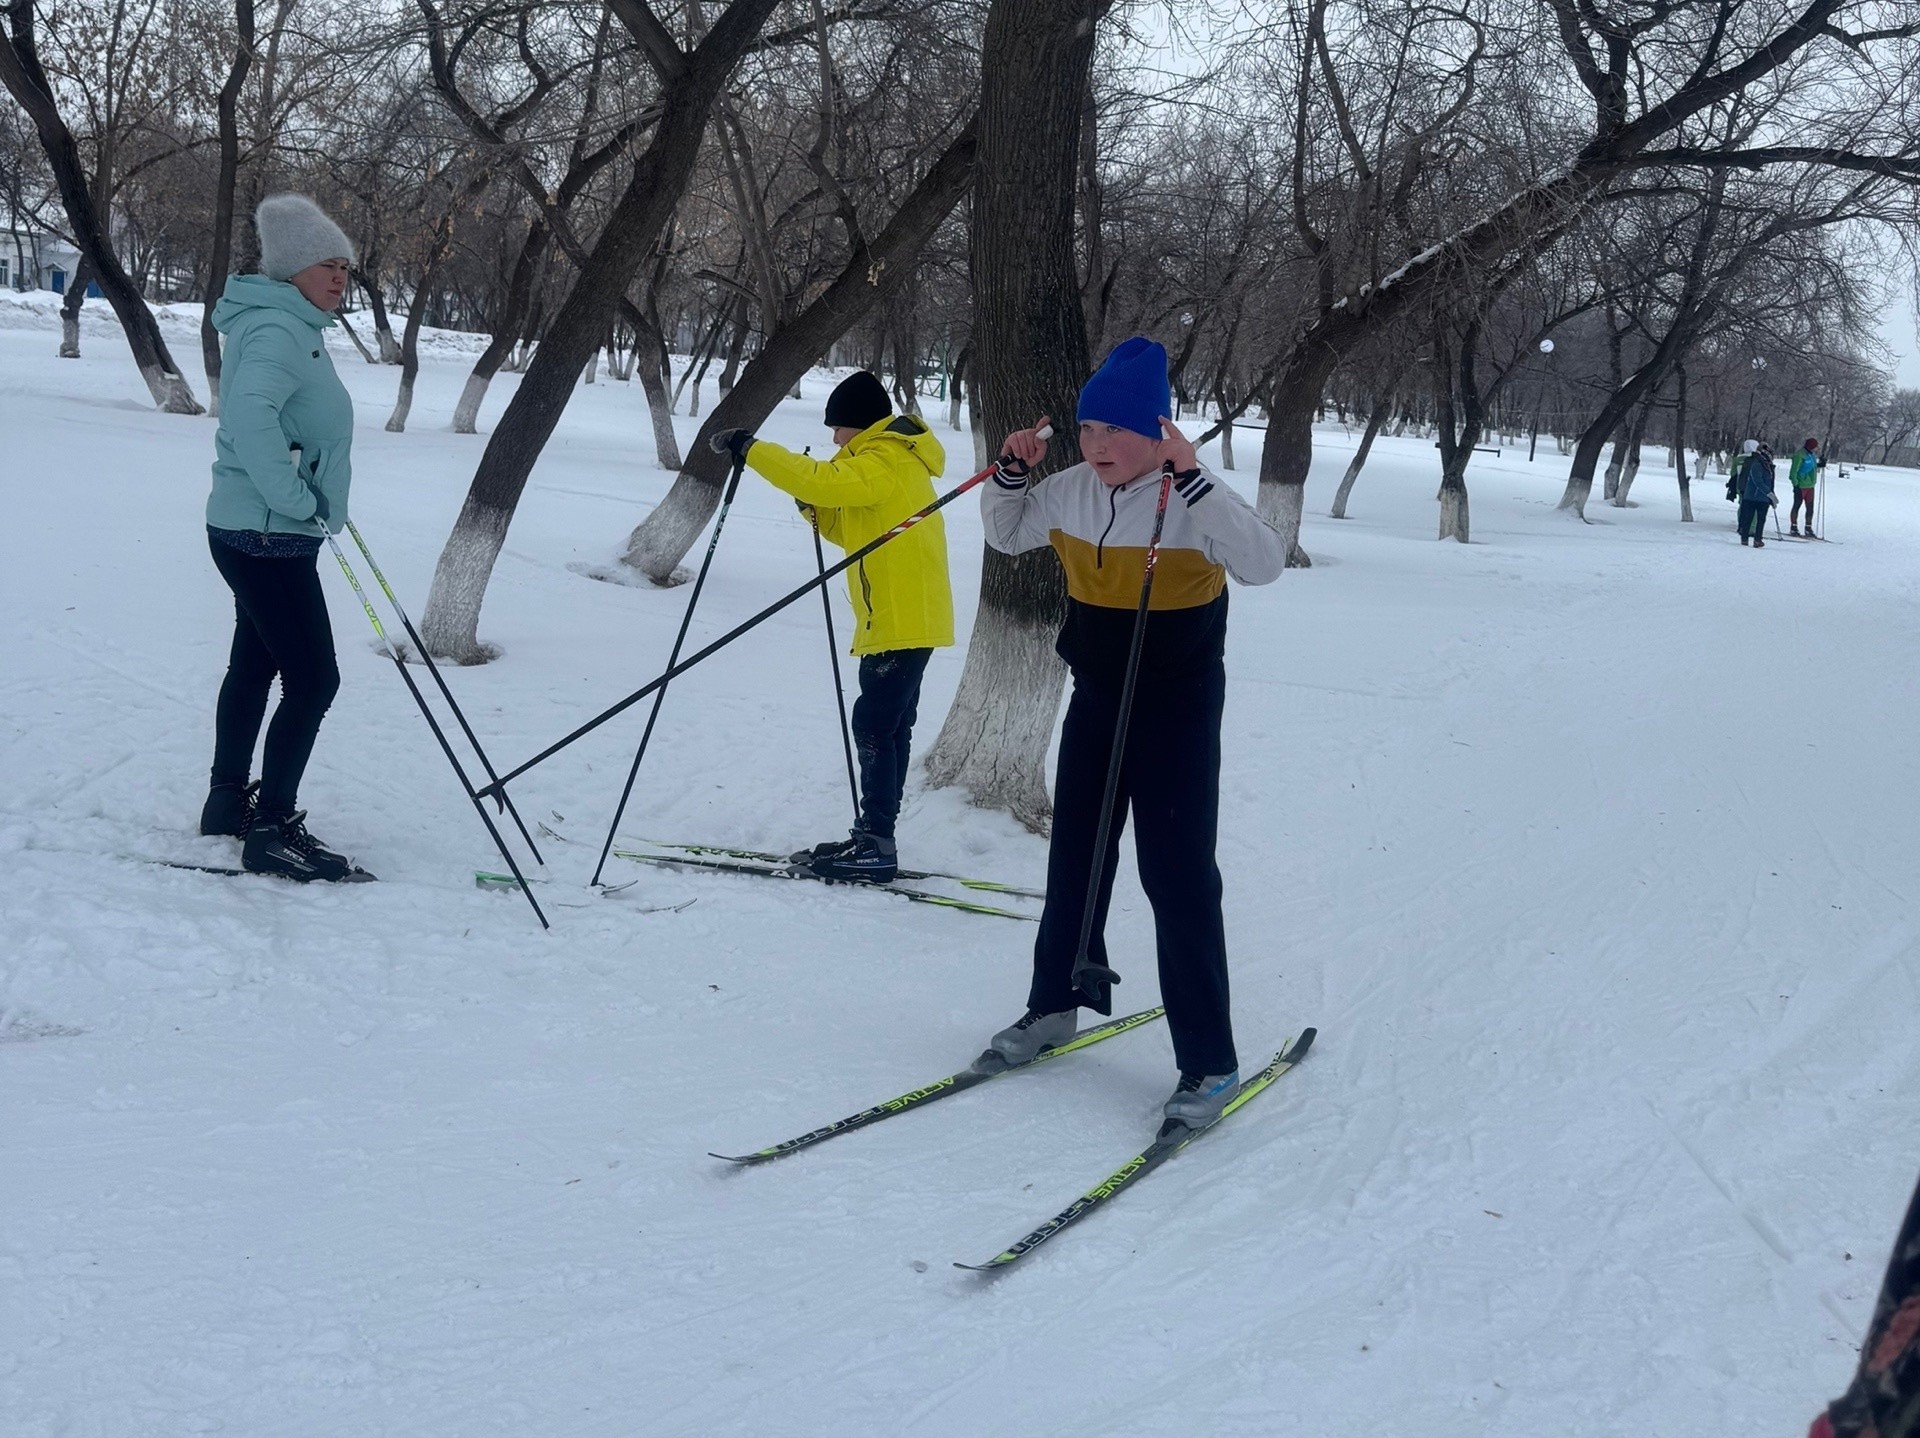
1804	476
902	601
1756	493
281	470
1098	516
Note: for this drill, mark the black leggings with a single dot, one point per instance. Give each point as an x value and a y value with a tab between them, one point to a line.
280	627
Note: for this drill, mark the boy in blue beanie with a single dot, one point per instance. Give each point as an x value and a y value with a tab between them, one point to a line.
1098	516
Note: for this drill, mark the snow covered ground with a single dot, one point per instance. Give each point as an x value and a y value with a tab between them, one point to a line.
1589	849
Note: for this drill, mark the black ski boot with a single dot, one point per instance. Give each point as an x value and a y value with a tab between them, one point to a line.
867	859
229	809
832	849
284	847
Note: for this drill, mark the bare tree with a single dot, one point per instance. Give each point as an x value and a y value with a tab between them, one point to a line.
1030	335
26	80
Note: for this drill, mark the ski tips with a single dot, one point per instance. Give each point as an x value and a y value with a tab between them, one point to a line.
741	1159
1299	1048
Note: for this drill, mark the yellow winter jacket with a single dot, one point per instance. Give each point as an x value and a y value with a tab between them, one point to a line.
901	596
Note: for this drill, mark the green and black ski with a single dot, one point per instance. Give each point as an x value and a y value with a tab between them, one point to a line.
1173	1137
787	870
761	856
940	1088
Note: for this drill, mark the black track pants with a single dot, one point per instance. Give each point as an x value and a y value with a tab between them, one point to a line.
1170	782
280	628
883	718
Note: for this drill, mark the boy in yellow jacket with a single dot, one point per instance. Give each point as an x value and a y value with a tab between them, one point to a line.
882	472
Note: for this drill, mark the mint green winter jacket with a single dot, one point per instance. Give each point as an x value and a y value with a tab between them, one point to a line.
278	392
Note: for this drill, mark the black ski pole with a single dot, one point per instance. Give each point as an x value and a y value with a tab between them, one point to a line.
660	694
1090	979
833	658
497	789
445	693
420	699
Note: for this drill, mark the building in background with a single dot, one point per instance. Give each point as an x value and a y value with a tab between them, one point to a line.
36	260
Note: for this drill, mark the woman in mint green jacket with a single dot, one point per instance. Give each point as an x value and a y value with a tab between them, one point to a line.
281	472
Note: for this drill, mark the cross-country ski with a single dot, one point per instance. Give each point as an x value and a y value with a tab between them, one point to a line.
954	1083
1173	1137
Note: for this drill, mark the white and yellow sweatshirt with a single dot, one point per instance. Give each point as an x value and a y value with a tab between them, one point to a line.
1101	533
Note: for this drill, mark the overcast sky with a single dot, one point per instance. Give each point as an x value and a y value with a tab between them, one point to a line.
1896	328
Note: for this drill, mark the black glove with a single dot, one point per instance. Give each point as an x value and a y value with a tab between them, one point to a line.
320	511
735	442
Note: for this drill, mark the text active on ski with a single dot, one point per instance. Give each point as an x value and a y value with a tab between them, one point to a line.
946	1087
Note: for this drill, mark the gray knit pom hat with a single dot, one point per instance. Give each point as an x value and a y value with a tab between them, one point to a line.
295	233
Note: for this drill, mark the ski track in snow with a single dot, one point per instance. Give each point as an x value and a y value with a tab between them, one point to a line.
1585	847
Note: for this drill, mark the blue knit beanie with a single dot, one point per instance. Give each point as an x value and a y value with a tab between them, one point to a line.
1130	390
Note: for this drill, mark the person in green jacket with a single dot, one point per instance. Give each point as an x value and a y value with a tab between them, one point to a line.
281	471
1804	476
882	471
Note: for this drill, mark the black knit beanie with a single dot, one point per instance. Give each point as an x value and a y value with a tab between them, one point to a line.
858	402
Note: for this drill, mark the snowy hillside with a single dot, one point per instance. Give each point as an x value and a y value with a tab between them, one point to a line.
1588	849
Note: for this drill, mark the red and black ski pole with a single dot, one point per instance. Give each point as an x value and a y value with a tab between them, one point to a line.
497	789
1090	979
660	694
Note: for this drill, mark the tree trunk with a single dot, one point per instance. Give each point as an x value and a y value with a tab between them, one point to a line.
1680	450
70	305
26	81
346	326
650	354
1031	357
228	122
410	354
377	303
506	328
662	539
1288	454
1630	466
1375	420
632	232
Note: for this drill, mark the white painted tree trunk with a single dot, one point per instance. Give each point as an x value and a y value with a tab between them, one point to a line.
953	407
593	367
994	741
1281	505
466	414
983	448
170	391
389	347
666	444
1359	460
402	407
658	543
1226	447
1625	484
1454	519
450	627
69	336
